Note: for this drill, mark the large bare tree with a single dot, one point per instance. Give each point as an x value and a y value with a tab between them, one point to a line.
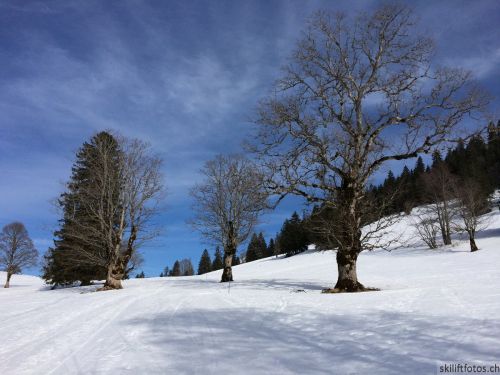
357	93
227	204
16	250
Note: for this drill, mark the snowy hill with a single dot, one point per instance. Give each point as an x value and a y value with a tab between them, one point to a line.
440	305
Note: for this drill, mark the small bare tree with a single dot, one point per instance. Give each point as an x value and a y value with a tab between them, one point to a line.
427	228
472	205
440	186
16	250
228	203
355	96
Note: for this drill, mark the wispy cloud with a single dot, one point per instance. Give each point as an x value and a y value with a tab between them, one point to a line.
184	76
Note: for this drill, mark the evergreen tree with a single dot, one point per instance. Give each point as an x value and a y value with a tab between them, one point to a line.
205	264
493	155
253	249
66	262
293	237
176	270
418	181
166	271
271	248
140	275
218	263
436	158
236	261
406	199
262	246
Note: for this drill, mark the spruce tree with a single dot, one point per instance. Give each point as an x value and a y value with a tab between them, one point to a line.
176	269
218	263
205	264
262	246
293	237
253	249
271	248
493	155
79	233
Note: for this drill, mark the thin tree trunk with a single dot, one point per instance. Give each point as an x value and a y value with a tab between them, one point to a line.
7	282
473	246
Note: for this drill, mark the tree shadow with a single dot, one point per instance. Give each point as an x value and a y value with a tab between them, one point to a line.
237	340
488	233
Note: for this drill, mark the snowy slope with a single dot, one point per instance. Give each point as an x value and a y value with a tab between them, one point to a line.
434	306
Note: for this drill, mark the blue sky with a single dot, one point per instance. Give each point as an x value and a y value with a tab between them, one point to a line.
182	75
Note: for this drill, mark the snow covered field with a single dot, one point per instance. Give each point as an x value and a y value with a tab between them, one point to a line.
441	305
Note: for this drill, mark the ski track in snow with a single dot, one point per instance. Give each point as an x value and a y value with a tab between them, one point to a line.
434	306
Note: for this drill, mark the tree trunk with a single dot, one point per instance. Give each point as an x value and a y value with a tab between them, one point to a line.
349	231
473	246
227	273
117	271
229	252
7	282
115	276
347	280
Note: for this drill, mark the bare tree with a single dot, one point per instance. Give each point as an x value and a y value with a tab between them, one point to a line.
355	96
472	205
186	267
139	202
427	228
440	186
16	250
228	203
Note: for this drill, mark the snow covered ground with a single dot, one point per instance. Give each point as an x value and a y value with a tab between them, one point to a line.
441	305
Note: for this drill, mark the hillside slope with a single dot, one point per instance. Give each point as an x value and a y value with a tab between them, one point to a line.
434	306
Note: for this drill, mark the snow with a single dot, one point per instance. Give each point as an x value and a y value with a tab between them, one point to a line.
434	306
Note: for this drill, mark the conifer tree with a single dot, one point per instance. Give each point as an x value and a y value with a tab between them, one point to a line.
262	246
205	264
176	270
80	235
293	237
271	248
113	192
253	249
218	263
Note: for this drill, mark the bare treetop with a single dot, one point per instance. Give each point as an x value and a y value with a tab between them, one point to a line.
16	250
359	92
231	192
